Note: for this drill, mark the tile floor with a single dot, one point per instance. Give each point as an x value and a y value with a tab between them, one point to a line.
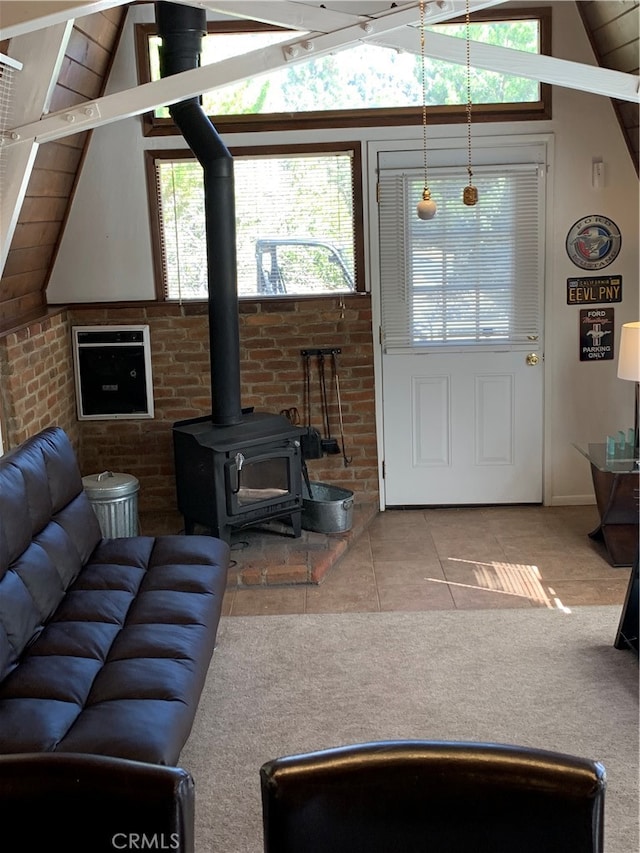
466	558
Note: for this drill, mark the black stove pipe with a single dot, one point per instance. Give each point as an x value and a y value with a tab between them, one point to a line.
182	28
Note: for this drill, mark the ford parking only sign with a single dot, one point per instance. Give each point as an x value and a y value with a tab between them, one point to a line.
596	334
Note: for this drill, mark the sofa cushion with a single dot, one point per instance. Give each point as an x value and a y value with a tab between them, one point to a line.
48	530
104	643
119	668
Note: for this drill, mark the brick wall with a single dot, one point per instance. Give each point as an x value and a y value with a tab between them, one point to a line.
36	387
271	335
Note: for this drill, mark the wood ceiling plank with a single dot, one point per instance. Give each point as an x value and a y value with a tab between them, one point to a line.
29	260
23	306
76	140
58	157
624	58
45	183
64	99
116	13
14	286
597	13
615	34
630	115
99	29
30	234
38	209
87	52
83	81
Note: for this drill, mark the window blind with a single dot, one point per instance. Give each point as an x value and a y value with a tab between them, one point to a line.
471	275
295	198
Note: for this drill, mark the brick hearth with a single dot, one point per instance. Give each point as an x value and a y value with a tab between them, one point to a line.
267	555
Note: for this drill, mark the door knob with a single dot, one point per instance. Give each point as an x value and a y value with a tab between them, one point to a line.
532	358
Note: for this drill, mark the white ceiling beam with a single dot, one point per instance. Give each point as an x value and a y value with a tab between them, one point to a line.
399	22
190	84
32	88
321	20
19	18
8	62
546	69
279	13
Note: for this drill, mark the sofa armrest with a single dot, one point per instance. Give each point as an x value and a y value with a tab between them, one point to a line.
79	802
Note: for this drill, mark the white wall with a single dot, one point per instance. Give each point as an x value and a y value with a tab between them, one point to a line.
106	255
585	400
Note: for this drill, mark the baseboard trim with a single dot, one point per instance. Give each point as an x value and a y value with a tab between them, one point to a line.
573	500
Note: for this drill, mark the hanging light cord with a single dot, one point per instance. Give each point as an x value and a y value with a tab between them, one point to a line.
424	97
426	208
468	94
470	193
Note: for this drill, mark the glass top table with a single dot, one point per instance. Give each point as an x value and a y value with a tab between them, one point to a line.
597	455
615	483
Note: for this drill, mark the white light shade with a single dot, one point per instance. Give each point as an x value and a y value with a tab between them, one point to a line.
426	209
629	356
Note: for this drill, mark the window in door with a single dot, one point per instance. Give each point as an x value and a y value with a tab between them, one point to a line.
472	276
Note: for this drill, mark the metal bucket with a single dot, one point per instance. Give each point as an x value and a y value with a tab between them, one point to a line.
328	509
114	498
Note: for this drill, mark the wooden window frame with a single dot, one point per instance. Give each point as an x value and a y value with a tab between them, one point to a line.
379	117
354	148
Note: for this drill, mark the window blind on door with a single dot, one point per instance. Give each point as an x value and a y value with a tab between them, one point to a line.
471	275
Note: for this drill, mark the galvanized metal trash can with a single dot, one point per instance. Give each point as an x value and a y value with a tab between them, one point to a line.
328	509
114	498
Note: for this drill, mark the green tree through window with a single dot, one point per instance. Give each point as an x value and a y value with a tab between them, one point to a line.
366	76
295	225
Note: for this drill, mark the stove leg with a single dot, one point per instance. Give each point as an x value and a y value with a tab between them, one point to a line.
296	523
224	533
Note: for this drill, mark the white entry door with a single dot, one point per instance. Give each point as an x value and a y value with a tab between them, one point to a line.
462	429
462	359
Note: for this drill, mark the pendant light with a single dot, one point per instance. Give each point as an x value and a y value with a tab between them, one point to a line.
469	193
426	208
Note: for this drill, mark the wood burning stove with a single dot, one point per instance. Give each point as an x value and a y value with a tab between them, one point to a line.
233	477
235	467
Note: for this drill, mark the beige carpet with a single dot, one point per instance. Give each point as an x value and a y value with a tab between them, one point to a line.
285	684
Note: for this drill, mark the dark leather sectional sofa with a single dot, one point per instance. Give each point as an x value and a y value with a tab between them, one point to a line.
104	647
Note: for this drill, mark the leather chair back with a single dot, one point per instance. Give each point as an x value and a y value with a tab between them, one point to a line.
432	797
80	803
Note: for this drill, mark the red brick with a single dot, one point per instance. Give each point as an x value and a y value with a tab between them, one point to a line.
271	371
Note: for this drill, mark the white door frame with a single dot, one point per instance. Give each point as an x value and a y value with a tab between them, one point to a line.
371	228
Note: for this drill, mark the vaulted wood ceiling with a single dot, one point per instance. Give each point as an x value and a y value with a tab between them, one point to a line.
612	26
57	165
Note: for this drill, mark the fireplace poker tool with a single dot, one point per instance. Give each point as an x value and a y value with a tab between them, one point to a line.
329	444
347	459
310	440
